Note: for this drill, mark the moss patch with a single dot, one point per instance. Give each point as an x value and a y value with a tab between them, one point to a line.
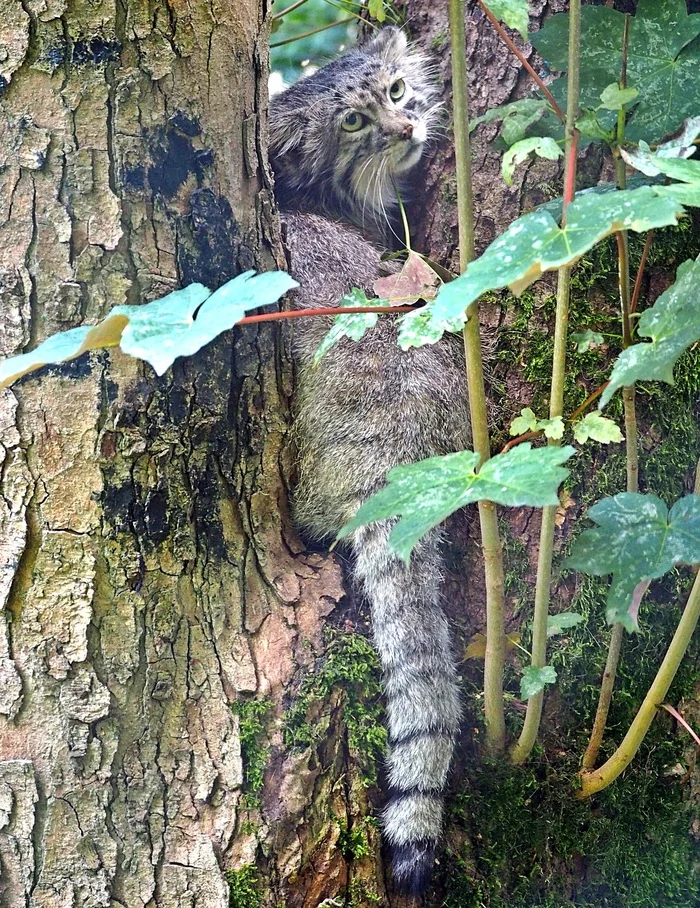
244	888
252	715
352	666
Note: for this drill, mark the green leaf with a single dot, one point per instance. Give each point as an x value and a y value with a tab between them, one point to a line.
535	244
517	117
526	422
353	325
590	126
160	331
586	340
535	680
636	540
598	428
543	147
514	13
376	10
663	62
559	624
552	428
672	323
423	494
615	98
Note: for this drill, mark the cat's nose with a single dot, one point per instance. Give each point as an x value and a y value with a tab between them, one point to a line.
407	131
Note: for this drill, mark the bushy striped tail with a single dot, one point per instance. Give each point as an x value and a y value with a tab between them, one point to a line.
420	683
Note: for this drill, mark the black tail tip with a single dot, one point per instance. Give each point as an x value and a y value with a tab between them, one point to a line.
412	866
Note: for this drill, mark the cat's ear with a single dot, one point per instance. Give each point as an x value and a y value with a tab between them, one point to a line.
286	129
390	43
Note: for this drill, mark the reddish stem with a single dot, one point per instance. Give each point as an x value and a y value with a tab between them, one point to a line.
570	175
679	718
519	54
526	436
339	310
640	272
588	401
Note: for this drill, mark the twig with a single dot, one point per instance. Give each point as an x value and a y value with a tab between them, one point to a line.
519	54
314	31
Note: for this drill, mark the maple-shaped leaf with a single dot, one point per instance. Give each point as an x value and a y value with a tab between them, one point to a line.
672	324
663	61
415	281
637	539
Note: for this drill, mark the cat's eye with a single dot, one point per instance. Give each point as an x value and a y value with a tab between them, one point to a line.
353	121
397	90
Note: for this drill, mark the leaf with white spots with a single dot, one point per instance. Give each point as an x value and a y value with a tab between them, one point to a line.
615	98
535	244
535	680
541	146
352	325
178	324
515	118
672	323
564	621
423	494
587	340
663	61
637	540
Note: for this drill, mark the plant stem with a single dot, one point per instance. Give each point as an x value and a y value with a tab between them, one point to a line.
494	658
289	9
314	31
598	779
632	451
528	736
523	60
312	313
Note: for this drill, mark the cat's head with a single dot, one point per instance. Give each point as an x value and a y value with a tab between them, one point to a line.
342	139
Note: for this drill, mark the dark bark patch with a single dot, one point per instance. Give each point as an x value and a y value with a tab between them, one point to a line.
215	253
187	125
174	158
3	84
96	51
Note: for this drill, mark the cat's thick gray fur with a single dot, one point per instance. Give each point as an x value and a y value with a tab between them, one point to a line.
365	408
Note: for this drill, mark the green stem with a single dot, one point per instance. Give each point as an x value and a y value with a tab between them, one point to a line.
599	779
314	31
632	450
528	736
493	554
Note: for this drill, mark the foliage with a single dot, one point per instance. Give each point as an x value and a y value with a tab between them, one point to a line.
244	890
637	539
179	324
252	715
354	325
672	323
351	666
423	494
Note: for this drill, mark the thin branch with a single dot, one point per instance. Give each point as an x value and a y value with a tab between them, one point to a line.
314	31
310	313
640	272
519	54
598	779
679	718
290	9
